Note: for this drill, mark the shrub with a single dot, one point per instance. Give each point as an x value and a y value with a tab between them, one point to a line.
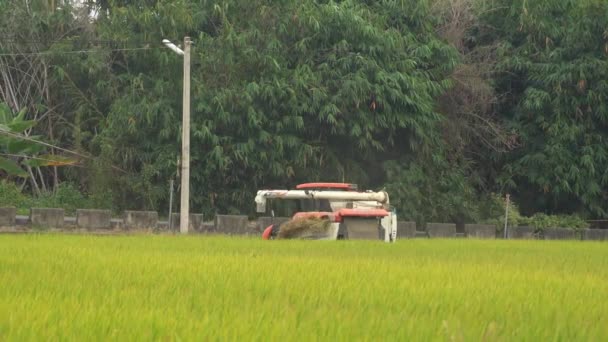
494	212
541	221
67	196
11	196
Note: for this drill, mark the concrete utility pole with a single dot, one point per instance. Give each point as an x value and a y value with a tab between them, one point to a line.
185	174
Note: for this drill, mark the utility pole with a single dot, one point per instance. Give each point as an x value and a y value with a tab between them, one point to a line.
185	199
185	174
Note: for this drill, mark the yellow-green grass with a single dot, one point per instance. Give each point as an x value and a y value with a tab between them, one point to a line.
58	287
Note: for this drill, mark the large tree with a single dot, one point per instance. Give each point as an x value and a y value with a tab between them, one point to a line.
43	78
554	68
282	92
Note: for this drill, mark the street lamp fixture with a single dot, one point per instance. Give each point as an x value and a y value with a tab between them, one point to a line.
172	46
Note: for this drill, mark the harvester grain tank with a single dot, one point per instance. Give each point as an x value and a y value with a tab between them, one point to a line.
332	211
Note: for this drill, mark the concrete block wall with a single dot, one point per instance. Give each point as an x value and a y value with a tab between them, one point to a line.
140	219
406	230
559	234
93	219
232	225
47	217
522	233
196	223
441	230
8	216
595	234
480	231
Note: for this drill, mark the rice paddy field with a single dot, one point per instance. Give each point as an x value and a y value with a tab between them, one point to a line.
70	287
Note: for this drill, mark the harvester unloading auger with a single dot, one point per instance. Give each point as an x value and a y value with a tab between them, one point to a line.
332	211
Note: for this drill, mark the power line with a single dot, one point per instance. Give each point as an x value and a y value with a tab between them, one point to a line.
74	52
74	41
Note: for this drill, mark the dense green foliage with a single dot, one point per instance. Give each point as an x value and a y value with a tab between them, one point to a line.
66	196
554	67
541	221
441	102
58	287
280	99
10	195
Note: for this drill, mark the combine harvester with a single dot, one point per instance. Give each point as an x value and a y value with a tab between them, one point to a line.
332	211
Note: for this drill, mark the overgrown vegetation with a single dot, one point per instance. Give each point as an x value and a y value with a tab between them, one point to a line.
67	196
443	103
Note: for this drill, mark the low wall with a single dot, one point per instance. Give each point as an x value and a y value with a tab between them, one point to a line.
480	231
406	230
441	230
139	219
521	233
233	225
47	217
8	216
93	219
595	234
559	234
240	225
196	223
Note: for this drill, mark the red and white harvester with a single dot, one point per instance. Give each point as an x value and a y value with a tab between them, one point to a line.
332	211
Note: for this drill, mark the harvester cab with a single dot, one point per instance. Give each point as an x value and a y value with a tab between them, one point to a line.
332	211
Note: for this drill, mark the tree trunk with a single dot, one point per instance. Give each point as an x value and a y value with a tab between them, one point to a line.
50	119
33	180
42	181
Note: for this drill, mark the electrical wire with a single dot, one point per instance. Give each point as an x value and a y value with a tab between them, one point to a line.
74	52
15	39
76	42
